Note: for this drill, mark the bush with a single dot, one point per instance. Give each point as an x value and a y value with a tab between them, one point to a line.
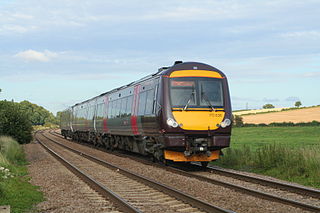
238	120
268	106
14	122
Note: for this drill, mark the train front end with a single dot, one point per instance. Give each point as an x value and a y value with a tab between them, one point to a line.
197	117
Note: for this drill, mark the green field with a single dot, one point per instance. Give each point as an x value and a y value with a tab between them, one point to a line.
293	137
288	153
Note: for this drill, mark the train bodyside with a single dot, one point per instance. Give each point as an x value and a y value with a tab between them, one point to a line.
124	118
145	117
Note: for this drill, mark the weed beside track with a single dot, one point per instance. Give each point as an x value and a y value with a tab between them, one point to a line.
15	189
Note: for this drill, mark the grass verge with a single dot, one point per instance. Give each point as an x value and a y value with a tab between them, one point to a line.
288	153
15	189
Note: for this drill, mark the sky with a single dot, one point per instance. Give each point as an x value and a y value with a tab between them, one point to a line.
58	53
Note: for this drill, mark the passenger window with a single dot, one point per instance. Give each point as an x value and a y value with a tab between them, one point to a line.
114	109
111	109
142	103
129	105
149	102
123	107
117	111
100	111
90	112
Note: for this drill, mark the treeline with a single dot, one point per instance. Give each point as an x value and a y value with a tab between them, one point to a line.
17	119
37	114
238	122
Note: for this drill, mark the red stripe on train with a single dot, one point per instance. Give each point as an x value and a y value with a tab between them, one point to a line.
105	127
134	120
134	125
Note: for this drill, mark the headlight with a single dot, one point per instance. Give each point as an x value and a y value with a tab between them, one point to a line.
171	122
225	123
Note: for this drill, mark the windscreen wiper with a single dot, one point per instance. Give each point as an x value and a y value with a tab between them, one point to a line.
189	100
203	95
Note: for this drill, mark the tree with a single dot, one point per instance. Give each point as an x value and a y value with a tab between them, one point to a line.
14	122
298	104
267	106
58	116
37	114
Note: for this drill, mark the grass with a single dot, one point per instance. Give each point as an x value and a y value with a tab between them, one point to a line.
292	137
288	153
15	189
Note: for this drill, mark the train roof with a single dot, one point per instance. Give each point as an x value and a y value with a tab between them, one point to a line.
178	65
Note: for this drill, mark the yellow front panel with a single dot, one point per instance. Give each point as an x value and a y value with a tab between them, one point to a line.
195	73
198	120
179	156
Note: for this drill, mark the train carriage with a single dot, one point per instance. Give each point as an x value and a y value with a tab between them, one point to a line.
181	113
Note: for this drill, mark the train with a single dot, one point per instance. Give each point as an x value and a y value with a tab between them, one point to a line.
181	113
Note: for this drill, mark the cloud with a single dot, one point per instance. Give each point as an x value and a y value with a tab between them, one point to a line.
311	75
270	100
292	99
32	55
193	13
15	28
302	34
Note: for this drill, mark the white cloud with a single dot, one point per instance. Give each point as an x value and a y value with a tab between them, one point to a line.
292	99
211	11
32	55
6	29
302	34
22	16
270	100
311	74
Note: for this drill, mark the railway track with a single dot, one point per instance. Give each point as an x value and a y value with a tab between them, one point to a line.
133	193
120	203
282	189
275	184
272	195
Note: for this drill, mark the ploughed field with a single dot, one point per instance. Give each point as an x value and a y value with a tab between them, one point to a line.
294	115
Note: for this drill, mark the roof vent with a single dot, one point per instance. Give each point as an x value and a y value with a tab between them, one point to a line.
178	62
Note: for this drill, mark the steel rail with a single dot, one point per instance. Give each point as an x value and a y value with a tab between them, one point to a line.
285	186
253	192
120	203
161	187
296	189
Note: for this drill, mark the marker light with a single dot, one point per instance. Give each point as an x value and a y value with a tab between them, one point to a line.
225	123
172	123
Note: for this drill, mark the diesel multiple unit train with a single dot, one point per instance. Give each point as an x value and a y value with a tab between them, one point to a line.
180	113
